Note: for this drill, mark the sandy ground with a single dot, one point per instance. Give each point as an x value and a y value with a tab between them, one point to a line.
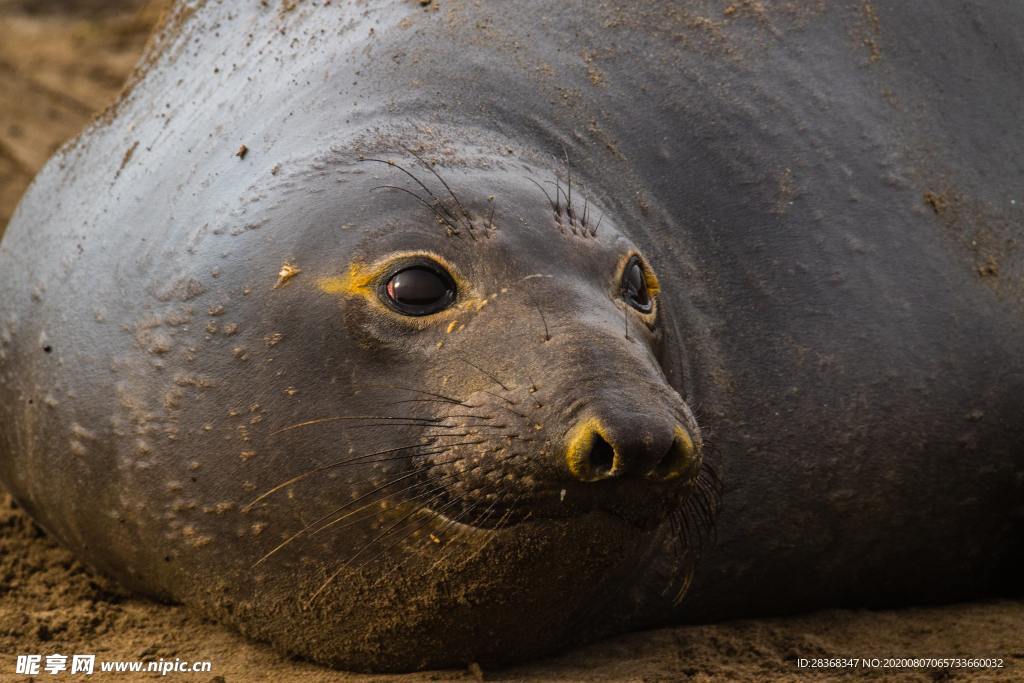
63	60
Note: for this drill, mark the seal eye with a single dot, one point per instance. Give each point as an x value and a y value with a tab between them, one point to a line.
420	290
634	286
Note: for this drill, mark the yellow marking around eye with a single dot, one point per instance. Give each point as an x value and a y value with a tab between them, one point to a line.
650	279
653	286
359	278
362	278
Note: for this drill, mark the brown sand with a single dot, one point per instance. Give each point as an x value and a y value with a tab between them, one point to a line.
63	60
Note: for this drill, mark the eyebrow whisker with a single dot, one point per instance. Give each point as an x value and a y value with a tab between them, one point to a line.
430	167
568	170
405	171
554	207
441	217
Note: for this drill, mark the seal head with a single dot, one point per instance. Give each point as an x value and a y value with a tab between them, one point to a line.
506	407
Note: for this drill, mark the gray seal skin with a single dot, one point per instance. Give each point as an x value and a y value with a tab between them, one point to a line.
210	391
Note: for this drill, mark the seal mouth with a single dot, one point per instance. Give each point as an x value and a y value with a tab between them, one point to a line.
509	522
459	527
631	503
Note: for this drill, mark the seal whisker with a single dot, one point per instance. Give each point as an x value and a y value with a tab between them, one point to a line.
514	412
392	424
443	551
361	461
441	217
696	507
478	430
711	484
406	172
559	193
467	218
568	170
399	420
418	470
453	435
426	522
437	175
427	400
678	545
554	206
429	493
695	531
454	539
410	456
493	532
547	333
558	198
409	534
248	506
372	542
687	570
441	449
474	433
684	588
359	499
475	524
465	531
420	391
346	563
693	527
498	396
682	521
418	455
489	374
486	514
371	417
708	502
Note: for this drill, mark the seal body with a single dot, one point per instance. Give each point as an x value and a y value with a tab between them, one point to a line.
211	389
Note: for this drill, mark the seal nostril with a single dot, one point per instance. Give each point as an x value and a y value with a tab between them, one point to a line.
678	459
601	456
589	455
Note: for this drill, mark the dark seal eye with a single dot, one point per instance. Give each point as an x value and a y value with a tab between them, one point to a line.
634	287
420	290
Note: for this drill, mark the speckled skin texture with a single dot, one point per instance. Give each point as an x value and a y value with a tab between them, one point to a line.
831	205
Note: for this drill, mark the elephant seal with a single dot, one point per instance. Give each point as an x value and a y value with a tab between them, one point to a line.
401	334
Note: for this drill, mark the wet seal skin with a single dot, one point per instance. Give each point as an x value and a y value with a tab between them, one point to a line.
405	335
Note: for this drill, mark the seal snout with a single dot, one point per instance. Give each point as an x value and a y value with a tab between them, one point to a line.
658	451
